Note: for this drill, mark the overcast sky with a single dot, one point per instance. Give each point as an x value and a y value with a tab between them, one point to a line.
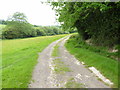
37	13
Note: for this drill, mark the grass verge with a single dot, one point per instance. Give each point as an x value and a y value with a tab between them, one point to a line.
19	56
107	66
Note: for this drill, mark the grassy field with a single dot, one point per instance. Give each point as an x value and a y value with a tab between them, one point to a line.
19	56
2	26
107	66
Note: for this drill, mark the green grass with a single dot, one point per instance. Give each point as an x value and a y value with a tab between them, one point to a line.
107	66
60	67
102	50
55	51
2	26
72	84
19	56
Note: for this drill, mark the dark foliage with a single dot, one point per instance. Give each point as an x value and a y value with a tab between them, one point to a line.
96	20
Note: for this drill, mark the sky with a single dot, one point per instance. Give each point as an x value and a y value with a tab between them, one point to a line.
36	12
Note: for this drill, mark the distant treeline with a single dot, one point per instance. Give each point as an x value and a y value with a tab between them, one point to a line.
32	31
18	27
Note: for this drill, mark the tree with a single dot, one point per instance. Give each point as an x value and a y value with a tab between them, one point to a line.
96	20
3	22
18	27
20	17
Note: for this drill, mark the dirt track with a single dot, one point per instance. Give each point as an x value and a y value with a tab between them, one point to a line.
44	75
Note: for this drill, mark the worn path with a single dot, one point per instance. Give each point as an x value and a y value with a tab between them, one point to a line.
44	75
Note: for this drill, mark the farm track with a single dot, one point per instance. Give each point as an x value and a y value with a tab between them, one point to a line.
44	75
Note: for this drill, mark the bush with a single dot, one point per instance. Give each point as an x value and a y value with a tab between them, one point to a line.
49	30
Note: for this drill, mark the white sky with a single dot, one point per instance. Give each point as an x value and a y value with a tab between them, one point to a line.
37	13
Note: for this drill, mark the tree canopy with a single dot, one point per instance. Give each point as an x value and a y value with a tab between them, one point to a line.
18	27
96	20
18	16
